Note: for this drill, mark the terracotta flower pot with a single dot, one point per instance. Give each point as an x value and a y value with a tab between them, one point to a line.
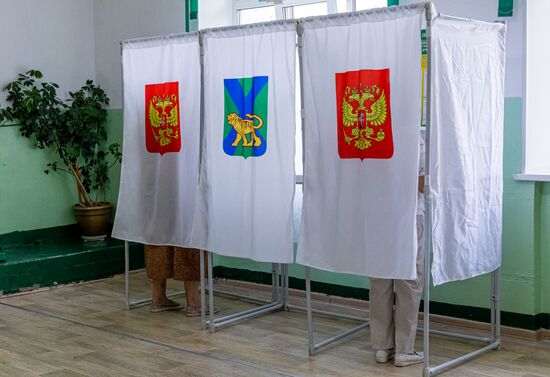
93	221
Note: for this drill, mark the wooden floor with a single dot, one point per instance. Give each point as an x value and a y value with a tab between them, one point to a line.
83	330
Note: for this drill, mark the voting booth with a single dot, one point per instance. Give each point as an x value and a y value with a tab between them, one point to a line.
209	147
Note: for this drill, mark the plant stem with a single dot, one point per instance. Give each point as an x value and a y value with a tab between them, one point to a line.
87	200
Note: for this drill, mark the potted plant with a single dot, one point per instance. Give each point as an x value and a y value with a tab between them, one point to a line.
74	129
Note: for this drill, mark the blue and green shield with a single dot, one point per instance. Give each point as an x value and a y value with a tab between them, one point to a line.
245	123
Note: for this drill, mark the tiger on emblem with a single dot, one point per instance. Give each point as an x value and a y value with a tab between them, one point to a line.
244	127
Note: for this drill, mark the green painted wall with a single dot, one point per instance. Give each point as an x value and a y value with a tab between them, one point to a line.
544	281
30	199
115	128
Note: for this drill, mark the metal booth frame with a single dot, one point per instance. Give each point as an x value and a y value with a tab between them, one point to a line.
279	285
279	271
280	297
493	341
128	302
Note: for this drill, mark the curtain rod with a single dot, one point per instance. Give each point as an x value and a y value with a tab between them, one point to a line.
366	12
256	25
160	37
455	18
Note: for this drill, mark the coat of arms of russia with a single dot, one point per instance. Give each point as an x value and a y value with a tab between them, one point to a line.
162	118
364	115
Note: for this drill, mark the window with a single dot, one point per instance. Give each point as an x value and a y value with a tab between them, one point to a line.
343	6
259	14
306	10
250	11
369	4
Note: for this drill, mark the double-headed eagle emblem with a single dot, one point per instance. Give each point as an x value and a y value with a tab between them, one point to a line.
163	120
356	120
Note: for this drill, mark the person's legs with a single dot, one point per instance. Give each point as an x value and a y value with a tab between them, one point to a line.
187	268
192	294
159	291
381	318
159	261
407	302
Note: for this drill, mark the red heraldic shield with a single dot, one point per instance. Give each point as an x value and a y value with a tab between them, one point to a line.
364	115
162	118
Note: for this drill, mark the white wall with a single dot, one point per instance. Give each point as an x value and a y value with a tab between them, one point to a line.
72	41
215	13
537	98
53	36
487	10
123	19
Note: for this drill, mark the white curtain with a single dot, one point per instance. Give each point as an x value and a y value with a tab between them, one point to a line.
362	92
466	148
244	202
161	140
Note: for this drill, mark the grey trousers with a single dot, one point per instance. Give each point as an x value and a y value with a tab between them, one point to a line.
396	328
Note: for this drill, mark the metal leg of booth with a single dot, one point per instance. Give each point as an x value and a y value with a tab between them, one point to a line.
275	276
276	303
495	306
286	297
202	291
316	347
492	342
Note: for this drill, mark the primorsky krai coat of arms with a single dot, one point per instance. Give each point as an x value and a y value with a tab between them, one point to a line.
245	116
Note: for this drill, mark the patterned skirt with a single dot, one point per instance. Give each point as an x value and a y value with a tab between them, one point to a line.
165	262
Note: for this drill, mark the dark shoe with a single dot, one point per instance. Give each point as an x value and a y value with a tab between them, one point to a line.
170	305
